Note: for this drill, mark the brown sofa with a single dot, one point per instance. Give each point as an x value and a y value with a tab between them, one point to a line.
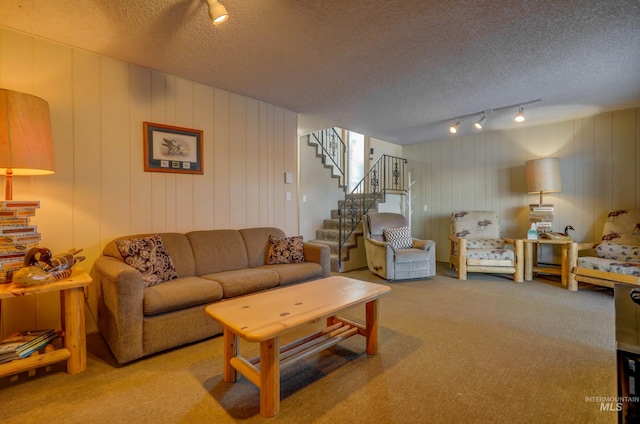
211	265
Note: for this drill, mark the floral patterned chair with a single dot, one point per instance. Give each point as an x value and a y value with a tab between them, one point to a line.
476	246
616	258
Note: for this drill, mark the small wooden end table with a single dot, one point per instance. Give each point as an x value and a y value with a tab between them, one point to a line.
569	260
263	317
72	316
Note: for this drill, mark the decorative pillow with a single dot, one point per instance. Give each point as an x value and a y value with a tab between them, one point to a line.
399	237
283	250
148	256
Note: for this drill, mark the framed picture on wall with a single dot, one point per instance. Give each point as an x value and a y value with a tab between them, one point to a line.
172	149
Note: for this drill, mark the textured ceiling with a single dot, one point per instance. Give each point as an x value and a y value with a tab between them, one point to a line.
395	70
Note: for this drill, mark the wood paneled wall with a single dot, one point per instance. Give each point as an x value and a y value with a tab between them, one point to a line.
100	191
600	168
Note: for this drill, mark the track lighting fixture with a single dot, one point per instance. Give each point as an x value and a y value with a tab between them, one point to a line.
479	124
217	12
520	115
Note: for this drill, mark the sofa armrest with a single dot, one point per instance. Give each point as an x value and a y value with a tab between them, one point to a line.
120	314
320	254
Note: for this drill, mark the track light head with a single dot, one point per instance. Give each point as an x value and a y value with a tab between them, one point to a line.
520	115
479	124
454	128
217	12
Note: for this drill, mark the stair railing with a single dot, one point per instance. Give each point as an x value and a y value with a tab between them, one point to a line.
388	174
333	149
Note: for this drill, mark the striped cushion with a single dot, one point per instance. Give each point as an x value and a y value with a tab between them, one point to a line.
399	237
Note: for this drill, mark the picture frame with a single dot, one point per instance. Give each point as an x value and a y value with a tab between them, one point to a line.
168	148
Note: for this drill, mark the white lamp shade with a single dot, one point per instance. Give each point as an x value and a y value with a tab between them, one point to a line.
543	175
26	144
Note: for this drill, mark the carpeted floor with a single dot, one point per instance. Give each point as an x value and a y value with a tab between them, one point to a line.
486	350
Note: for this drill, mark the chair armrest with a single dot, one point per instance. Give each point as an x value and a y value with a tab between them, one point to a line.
586	246
423	244
120	300
320	254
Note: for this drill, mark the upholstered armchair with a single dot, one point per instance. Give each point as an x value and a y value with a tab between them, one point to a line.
391	251
476	246
615	258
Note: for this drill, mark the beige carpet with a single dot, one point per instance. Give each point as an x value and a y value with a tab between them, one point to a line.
486	350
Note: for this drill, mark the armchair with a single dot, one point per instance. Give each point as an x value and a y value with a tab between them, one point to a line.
476	246
391	251
616	258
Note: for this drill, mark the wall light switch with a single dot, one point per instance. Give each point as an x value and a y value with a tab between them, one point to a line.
288	195
304	198
424	208
288	177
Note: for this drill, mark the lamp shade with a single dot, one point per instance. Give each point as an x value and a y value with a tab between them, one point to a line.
543	175
26	145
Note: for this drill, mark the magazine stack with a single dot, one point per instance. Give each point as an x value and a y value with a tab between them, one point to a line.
24	343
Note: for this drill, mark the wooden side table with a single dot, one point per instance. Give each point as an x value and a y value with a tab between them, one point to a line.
569	259
72	316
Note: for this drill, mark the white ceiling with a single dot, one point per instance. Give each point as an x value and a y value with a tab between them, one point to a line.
395	70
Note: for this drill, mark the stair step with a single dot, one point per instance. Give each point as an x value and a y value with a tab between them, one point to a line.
333	246
334	224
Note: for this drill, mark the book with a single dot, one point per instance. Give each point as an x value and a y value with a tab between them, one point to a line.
18	230
24	343
20	239
19	204
8	214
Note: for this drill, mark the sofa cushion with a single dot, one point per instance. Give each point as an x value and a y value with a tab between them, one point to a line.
296	273
176	245
285	250
148	256
179	294
244	281
256	241
609	265
622	227
500	254
217	251
399	237
619	252
475	224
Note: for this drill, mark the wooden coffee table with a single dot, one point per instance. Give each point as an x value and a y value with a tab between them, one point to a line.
263	317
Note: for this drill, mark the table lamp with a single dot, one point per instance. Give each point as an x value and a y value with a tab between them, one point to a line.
26	145
26	148
542	176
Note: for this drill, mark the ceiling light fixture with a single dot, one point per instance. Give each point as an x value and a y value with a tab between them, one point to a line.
217	12
480	123
520	115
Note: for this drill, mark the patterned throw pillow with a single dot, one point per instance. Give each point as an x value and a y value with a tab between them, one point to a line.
399	237
284	250
148	256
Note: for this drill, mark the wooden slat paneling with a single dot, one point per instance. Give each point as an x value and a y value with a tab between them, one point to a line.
101	191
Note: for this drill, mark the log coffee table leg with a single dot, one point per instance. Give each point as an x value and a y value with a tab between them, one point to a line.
74	328
270	377
230	350
372	326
